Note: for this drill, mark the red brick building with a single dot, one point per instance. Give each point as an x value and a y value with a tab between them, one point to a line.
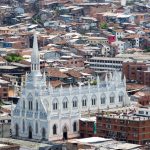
87	127
129	128
143	98
138	71
4	89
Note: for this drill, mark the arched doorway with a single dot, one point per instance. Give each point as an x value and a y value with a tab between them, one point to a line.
30	132
43	134
16	130
65	135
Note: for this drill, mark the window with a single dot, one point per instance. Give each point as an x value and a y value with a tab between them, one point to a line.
84	102
74	126
30	105
112	98
36	127
23	126
23	104
65	103
75	102
141	112
120	98
93	100
55	104
103	99
36	106
54	129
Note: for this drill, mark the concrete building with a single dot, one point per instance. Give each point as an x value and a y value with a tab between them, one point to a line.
138	71
87	127
100	64
127	126
100	143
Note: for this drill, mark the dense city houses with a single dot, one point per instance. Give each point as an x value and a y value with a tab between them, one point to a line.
74	73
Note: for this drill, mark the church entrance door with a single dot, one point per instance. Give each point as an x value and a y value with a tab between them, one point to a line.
65	135
43	134
30	132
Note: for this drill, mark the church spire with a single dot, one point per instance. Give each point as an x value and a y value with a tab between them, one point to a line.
35	58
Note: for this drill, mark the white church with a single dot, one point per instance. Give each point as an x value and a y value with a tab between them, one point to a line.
47	113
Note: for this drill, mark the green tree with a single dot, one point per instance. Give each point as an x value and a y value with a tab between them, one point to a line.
13	58
104	25
94	82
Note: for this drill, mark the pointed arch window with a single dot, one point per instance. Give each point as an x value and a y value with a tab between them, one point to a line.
65	103
36	106
112	98
103	99
30	105
23	104
75	102
36	127
121	97
84	101
23	126
30	99
93	100
54	129
55	104
74	126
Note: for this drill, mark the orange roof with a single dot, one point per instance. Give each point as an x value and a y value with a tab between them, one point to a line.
53	72
119	30
73	73
134	86
25	62
56	83
132	36
2	59
88	71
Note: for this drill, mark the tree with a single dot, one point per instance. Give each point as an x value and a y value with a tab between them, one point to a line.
104	25
13	58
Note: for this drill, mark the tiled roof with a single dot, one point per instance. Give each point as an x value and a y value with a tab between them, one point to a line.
133	86
132	36
53	72
56	83
74	73
88	70
24	62
2	59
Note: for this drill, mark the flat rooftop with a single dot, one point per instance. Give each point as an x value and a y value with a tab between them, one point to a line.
106	58
106	144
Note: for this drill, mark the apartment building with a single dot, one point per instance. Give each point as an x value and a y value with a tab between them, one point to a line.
129	127
100	64
138	71
87	127
97	40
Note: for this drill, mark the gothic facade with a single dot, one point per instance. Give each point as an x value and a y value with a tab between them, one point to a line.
44	112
